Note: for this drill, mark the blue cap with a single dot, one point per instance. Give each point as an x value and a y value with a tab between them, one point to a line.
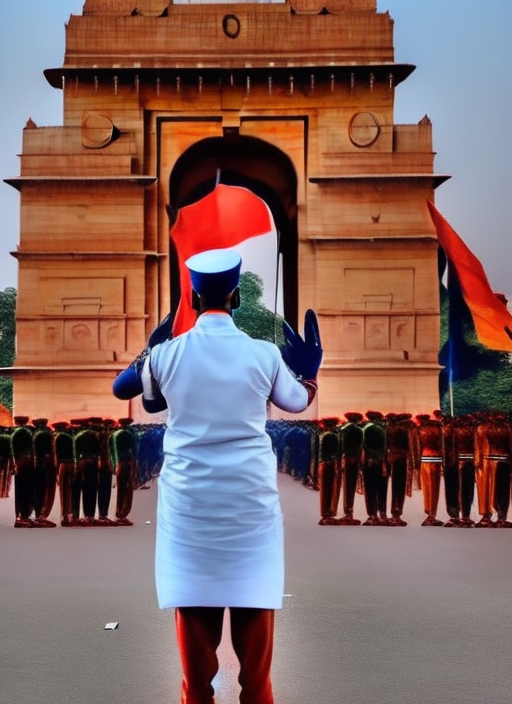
214	273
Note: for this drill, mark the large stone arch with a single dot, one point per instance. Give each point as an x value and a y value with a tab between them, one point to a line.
257	165
299	107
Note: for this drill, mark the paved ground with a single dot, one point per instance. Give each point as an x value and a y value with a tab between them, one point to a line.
388	615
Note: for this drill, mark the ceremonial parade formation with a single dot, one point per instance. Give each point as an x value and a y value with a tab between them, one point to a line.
387	457
464	461
80	462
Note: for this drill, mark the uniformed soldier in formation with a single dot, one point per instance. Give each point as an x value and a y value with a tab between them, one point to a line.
86	446
105	471
64	458
45	473
431	460
374	469
315	428
329	471
351	462
122	451
311	481
493	451
148	452
400	432
465	454
299	449
23	460
286	459
451	472
274	429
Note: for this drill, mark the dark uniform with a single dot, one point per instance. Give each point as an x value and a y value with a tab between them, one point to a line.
459	470
105	471
148	452
45	473
493	452
287	459
400	431
87	452
122	444
23	459
64	459
314	435
375	470
465	452
307	442
329	471
299	454
276	430
351	460
451	472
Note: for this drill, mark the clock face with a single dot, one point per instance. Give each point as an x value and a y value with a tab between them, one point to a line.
364	129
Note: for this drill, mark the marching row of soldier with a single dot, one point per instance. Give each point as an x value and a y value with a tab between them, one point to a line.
371	454
82	459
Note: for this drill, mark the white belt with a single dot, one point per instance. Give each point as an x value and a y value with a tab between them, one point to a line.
431	458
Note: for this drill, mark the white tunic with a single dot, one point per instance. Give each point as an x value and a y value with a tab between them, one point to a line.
219	538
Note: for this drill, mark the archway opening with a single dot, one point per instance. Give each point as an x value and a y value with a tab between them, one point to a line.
269	174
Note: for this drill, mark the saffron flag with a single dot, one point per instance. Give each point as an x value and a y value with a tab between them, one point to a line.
490	315
225	217
5	416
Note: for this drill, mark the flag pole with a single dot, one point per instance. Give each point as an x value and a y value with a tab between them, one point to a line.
450	359
276	289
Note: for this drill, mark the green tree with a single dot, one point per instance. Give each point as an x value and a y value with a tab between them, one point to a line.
253	317
7	341
483	378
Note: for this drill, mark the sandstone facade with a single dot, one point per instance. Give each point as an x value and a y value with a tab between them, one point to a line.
294	100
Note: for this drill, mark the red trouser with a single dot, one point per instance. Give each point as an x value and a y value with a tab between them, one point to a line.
199	632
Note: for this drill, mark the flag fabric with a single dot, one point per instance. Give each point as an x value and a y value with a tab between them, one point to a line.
5	416
224	218
457	355
489	312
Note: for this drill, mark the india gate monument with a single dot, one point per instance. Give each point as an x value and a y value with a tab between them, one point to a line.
293	100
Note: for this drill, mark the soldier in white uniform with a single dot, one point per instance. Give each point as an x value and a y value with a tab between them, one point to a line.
219	524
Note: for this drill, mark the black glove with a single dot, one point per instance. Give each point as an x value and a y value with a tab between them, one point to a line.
303	356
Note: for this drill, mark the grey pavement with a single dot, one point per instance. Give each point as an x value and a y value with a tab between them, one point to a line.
389	615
